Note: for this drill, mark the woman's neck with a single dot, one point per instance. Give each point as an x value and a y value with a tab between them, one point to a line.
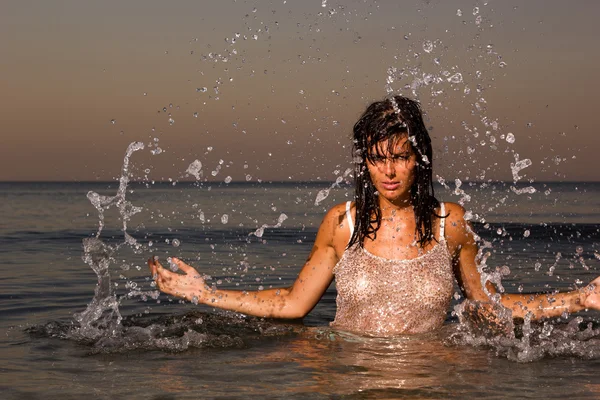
390	209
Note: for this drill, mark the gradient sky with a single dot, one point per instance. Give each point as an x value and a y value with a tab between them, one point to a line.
80	80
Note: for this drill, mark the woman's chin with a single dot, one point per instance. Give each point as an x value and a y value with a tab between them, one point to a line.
394	196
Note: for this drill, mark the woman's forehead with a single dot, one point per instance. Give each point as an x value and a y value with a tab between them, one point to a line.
396	144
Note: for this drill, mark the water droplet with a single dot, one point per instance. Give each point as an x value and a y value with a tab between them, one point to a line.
228	179
172	266
502	64
518	166
224	218
459	12
510	138
175	243
171	121
526	233
112	121
456	78
195	169
528	190
579	250
475	10
427	46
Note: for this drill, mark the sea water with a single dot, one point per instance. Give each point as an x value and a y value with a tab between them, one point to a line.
160	346
80	315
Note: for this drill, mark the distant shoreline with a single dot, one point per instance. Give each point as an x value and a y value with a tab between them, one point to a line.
279	183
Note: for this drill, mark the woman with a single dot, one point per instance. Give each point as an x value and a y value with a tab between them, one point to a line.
394	251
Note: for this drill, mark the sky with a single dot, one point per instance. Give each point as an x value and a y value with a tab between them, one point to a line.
270	90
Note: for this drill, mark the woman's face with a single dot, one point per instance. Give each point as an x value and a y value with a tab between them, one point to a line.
393	171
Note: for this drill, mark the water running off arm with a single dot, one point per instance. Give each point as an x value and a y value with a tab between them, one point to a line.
290	302
540	305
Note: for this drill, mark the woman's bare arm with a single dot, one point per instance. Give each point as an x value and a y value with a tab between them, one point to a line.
464	247
290	302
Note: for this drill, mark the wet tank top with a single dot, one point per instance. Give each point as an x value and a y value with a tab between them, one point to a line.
382	297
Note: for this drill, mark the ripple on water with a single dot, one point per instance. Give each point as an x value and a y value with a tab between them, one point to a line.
172	333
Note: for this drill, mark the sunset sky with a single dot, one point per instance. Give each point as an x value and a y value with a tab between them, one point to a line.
286	80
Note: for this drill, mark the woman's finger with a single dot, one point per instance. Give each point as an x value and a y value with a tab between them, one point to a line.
183	266
151	266
162	272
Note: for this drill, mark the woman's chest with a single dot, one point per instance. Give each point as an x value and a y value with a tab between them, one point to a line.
361	275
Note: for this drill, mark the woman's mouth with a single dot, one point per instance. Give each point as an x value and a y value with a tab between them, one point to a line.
390	185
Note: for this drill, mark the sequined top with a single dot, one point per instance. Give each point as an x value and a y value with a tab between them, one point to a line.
382	297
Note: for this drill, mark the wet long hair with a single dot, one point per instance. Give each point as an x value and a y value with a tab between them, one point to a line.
392	119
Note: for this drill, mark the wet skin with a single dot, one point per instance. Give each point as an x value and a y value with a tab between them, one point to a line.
392	171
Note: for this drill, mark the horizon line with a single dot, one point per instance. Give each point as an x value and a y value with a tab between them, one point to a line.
275	181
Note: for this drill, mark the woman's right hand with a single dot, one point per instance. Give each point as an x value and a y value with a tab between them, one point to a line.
189	285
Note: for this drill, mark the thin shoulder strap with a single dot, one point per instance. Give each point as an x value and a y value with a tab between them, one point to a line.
349	218
442	220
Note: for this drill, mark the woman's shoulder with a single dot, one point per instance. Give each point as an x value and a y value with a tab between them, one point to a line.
456	222
335	228
337	213
452	211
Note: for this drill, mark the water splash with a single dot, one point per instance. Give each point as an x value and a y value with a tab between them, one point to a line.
126	209
195	169
260	231
102	318
491	326
101	325
176	333
518	166
323	194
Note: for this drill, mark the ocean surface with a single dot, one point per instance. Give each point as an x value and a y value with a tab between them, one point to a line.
250	236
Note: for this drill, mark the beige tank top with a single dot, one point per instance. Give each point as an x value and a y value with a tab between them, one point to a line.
382	297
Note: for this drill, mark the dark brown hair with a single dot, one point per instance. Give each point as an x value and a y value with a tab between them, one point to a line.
391	120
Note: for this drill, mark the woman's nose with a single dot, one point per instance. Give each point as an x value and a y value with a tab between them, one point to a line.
389	168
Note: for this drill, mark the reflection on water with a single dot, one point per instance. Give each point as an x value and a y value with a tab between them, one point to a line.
286	360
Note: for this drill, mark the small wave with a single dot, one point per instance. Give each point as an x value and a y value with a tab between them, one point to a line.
172	333
491	326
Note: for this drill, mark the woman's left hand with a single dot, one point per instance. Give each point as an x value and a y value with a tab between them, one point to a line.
591	295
